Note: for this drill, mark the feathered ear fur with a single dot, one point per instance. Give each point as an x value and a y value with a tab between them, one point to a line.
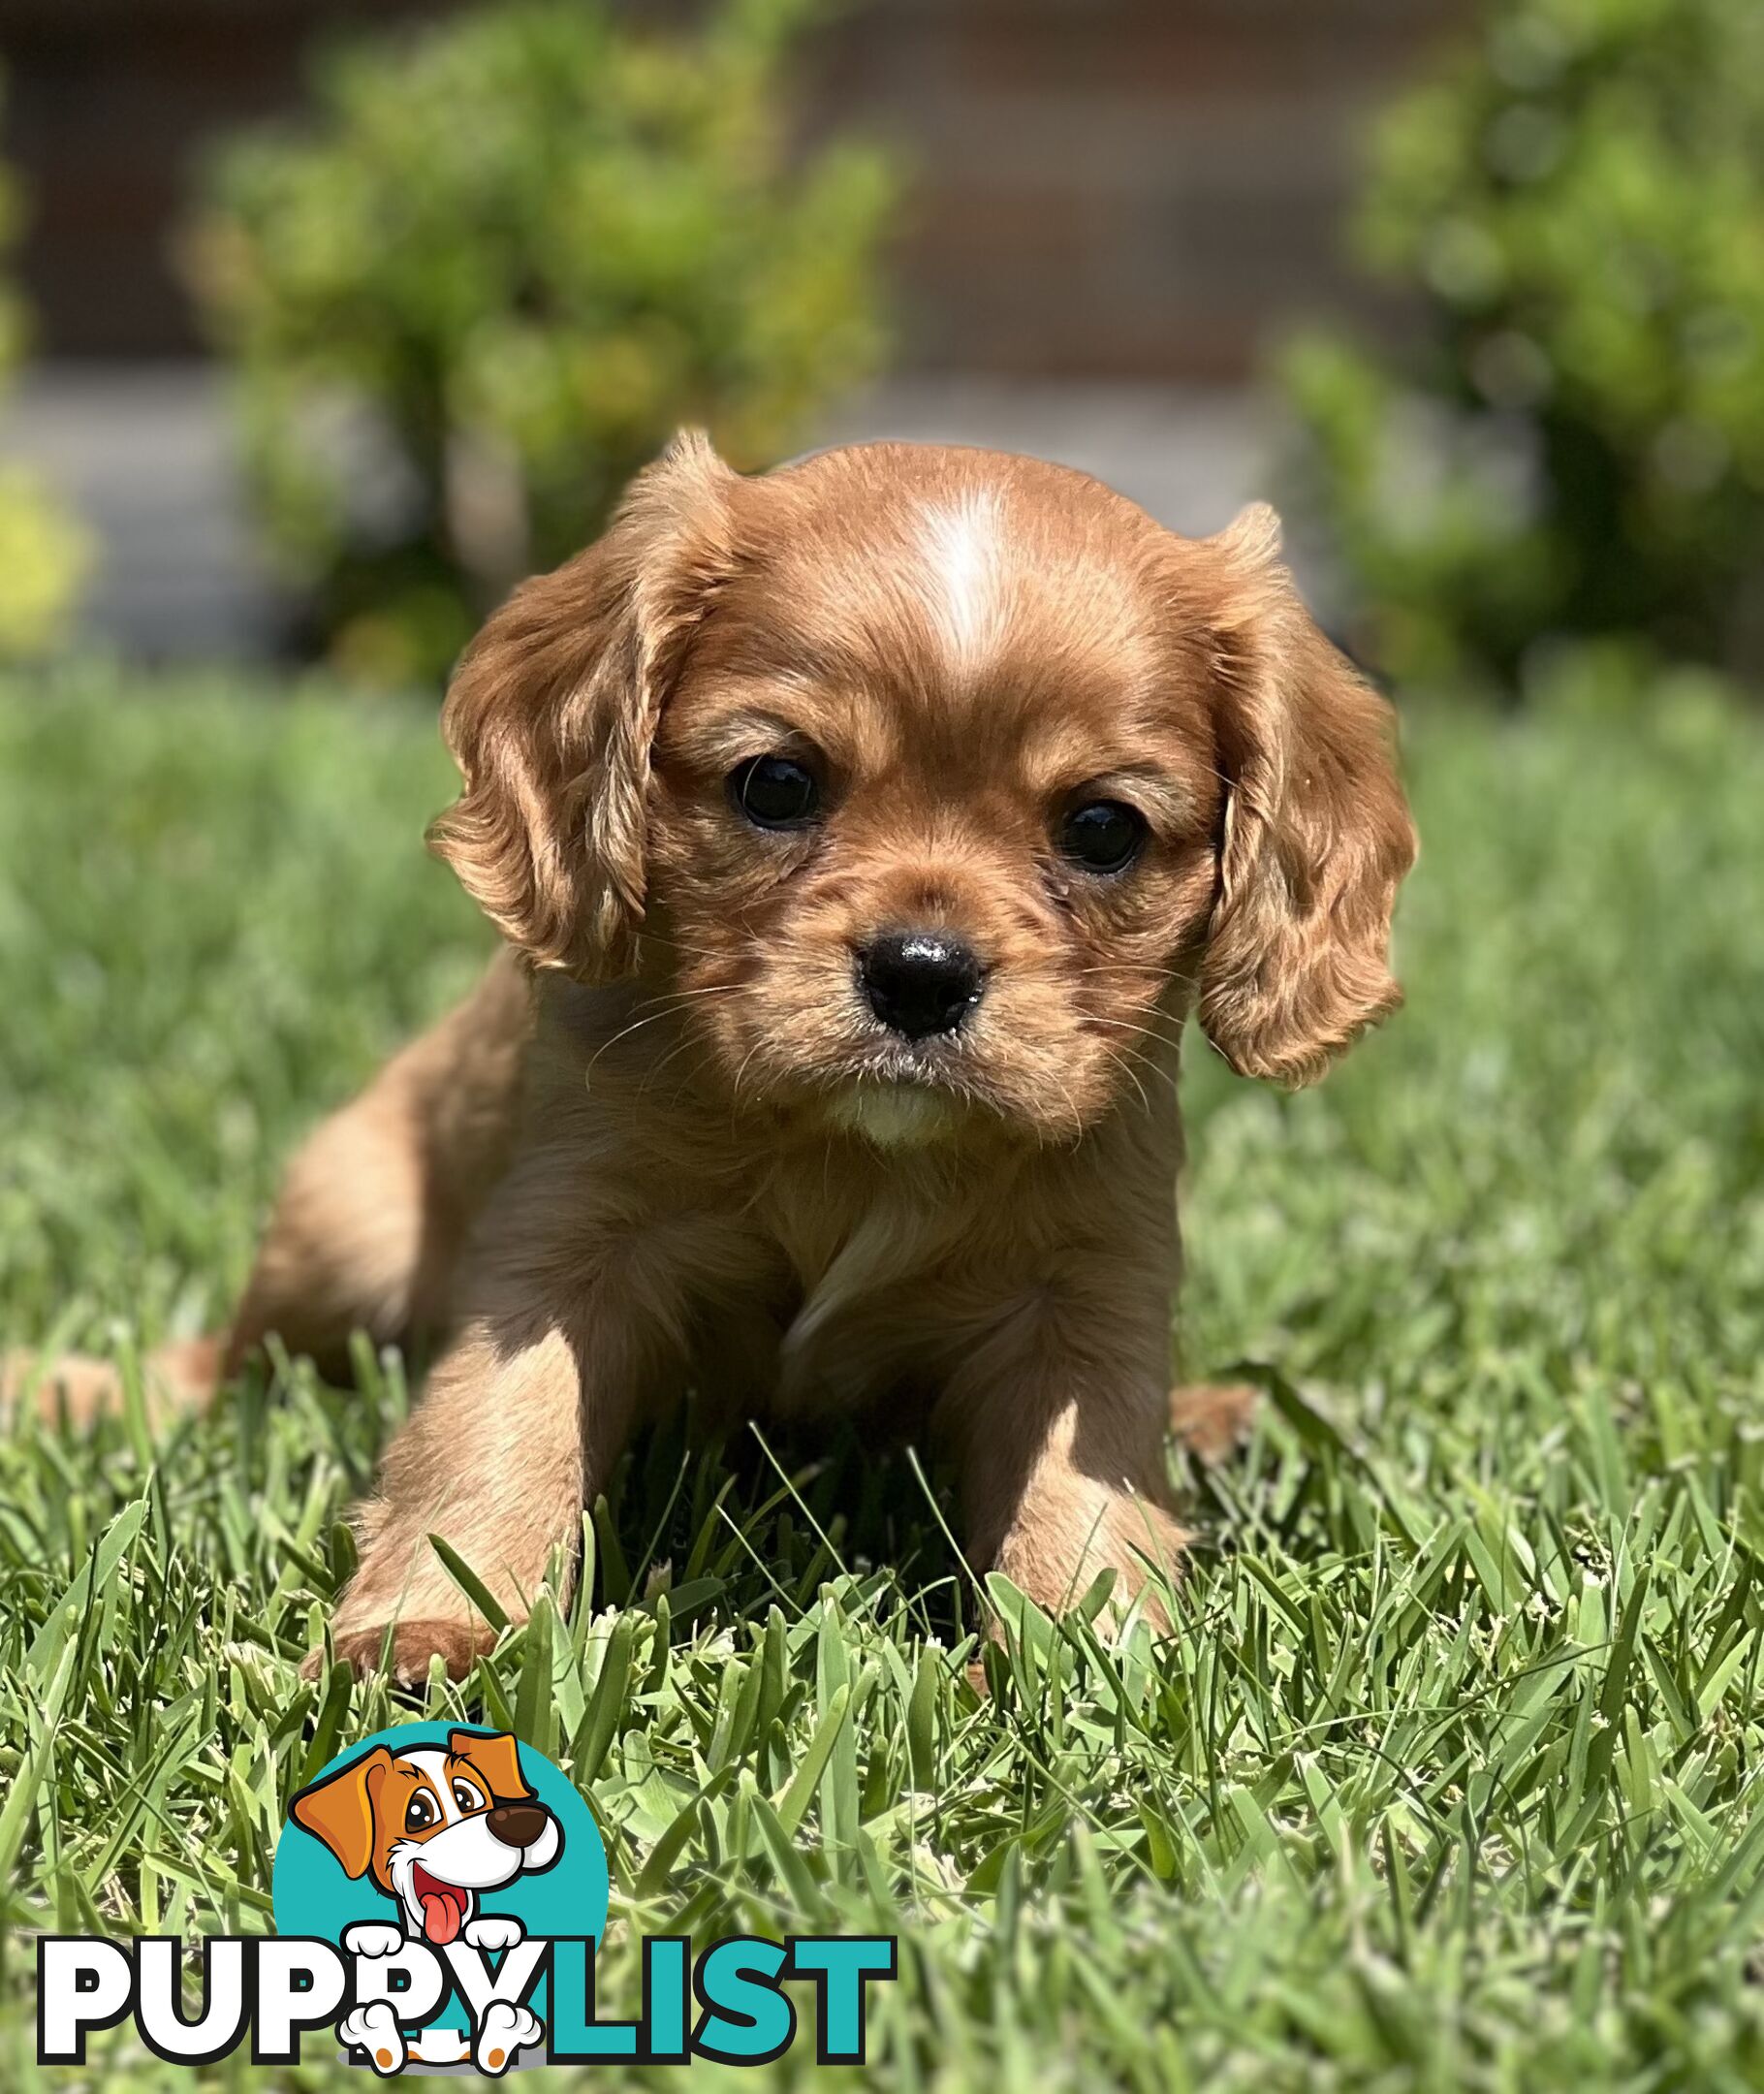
552	711
1316	835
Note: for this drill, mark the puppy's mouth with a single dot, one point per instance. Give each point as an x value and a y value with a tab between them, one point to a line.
912	1064
443	1906
900	1097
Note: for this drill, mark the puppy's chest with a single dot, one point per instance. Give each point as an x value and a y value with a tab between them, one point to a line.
822	1227
809	1235
856	1256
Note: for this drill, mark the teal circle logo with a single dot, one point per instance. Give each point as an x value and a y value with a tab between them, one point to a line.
446	1838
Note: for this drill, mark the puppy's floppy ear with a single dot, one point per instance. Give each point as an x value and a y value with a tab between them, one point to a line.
1316	836
552	711
339	1809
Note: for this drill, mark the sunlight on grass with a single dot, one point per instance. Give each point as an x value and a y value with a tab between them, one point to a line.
1448	1777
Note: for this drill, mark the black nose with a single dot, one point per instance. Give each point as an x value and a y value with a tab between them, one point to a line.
920	982
517	1825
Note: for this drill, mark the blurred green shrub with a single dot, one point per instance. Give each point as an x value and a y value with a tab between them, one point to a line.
44	553
508	255
1575	443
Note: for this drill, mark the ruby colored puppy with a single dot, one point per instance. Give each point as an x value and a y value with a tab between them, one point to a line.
862	834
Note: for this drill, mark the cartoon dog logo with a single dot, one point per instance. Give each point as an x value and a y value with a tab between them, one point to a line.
433	1826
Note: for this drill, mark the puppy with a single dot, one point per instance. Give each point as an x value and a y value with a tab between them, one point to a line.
433	1827
862	834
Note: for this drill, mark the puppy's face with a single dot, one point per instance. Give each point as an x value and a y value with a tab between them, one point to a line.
936	780
935	805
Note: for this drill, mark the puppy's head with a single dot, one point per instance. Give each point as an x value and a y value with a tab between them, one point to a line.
434	1826
934	781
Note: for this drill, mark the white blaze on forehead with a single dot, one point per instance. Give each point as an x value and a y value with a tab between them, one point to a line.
960	545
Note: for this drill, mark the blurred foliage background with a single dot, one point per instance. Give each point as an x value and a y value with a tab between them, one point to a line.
470	280
508	255
43	551
1572	444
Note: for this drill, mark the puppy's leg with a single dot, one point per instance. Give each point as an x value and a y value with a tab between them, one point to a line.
584	1307
1213	1419
522	1419
368	1231
346	1242
182	1376
371	1221
1061	1429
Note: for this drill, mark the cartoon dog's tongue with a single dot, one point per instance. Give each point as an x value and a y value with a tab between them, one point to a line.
443	1908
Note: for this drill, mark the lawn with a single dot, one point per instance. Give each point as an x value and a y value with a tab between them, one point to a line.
1449	1779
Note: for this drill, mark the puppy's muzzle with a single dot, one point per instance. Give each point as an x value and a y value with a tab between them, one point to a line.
920	983
518	1825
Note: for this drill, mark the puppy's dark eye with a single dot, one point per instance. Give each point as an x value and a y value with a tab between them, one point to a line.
1103	835
775	792
420	1812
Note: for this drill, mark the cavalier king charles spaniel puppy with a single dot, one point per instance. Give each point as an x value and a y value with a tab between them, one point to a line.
861	835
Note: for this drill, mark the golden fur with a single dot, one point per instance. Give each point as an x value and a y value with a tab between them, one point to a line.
666	1131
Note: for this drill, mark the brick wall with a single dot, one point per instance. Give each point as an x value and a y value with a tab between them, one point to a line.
1138	188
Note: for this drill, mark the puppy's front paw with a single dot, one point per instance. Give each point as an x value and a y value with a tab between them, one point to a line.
372	1938
1212	1420
1144	1548
1055	1558
494	1931
505	2030
407	1651
75	1387
374	2029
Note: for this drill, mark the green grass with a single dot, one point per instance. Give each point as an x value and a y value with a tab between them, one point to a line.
1450	1778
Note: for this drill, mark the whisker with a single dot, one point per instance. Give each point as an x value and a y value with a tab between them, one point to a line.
735	1087
1143	1060
670	1002
672	1054
1126	1067
1140	1030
